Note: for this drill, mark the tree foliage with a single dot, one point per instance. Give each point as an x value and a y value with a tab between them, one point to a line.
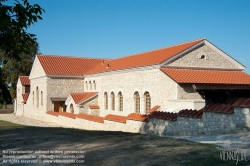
17	47
14	22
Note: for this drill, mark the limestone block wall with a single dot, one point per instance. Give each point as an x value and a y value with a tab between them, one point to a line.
211	123
186	91
177	105
84	108
160	87
35	106
212	59
62	87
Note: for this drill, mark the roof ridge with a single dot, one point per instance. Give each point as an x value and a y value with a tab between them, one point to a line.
158	49
68	56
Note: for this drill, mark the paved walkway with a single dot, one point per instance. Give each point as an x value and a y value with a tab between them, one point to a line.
26	121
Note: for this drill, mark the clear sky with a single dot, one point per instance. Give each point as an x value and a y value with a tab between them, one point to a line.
115	28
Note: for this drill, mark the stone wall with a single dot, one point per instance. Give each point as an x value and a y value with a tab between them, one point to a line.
212	59
211	123
62	87
160	87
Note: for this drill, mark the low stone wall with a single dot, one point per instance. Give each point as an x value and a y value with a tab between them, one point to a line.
208	124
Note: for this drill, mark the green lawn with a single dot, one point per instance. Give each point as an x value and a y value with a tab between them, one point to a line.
111	148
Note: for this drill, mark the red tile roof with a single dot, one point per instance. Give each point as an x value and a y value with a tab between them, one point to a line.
52	113
219	108
137	117
190	113
25	97
242	102
91	117
67	114
116	118
154	109
154	57
94	107
163	115
24	80
207	76
81	97
62	65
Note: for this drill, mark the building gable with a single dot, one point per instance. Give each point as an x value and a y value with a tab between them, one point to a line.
37	70
204	56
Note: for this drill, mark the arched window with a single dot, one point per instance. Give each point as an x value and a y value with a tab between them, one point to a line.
71	108
106	100
137	102
112	100
86	84
37	97
90	85
147	101
33	96
94	84
41	98
120	101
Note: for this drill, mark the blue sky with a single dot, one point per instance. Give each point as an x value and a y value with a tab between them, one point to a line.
115	28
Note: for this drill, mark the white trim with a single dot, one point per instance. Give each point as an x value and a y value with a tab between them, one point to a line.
201	68
123	71
65	76
223	54
37	77
181	53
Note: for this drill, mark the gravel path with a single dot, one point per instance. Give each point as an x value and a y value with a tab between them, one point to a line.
26	121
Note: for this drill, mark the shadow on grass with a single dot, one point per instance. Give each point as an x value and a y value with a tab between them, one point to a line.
111	148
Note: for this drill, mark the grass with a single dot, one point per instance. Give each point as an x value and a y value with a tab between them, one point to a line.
111	148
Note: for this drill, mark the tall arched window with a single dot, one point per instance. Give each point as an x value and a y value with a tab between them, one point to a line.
147	101
37	97
94	84
86	84
33	98
41	98
137	102
120	101
112	100
71	108
106	100
90	85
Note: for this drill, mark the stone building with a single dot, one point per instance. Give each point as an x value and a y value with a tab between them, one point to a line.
183	76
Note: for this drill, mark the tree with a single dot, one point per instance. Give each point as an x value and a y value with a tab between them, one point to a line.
17	46
4	92
14	22
13	68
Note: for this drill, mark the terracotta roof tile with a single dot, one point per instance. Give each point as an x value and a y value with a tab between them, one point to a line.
81	97
67	114
207	76
24	80
62	65
219	108
116	118
91	117
154	57
25	97
242	102
52	113
190	113
94	107
137	117
163	115
154	109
